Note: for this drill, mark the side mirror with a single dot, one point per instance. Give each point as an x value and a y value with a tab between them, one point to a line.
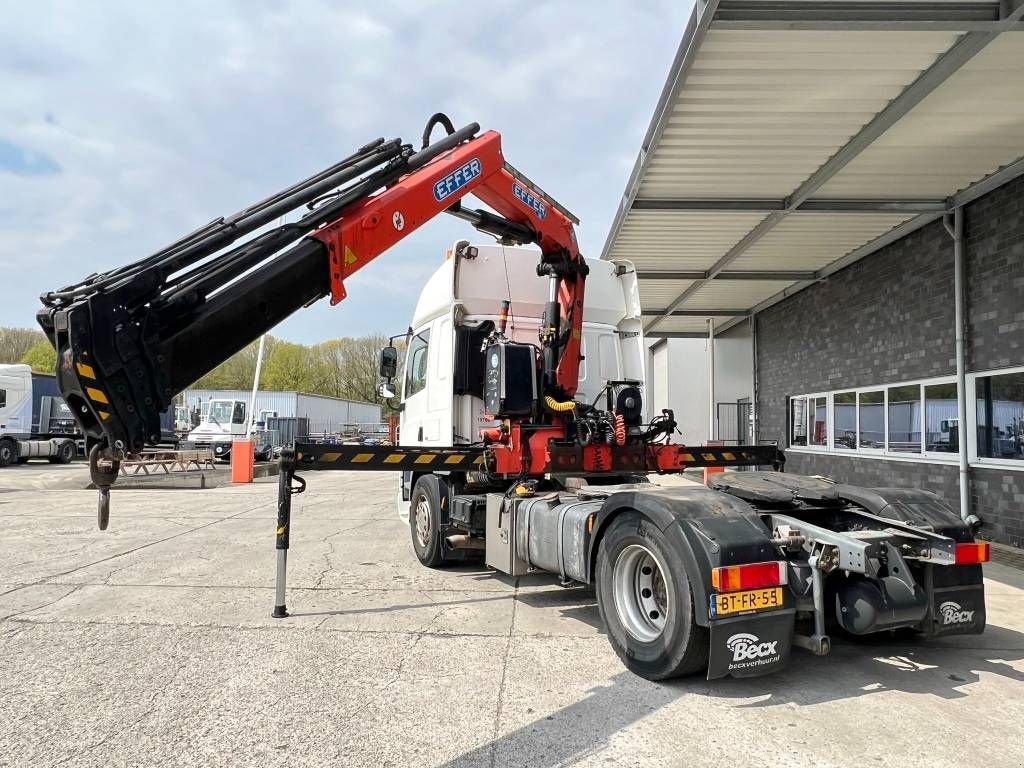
385	391
388	363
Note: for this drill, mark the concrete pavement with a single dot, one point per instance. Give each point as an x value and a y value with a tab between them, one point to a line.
152	643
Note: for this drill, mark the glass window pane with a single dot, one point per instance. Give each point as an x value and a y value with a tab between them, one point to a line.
416	367
1000	404
942	430
871	409
798	421
905	418
819	420
844	419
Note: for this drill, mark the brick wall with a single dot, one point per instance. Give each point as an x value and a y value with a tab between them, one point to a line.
890	318
994	233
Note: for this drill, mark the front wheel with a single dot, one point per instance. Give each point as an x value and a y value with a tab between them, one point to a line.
425	518
645	599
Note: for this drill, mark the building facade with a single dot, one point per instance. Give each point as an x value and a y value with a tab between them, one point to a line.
856	375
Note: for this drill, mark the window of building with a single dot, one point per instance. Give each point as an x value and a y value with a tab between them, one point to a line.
907	419
871	419
819	420
941	428
904	424
844	419
1000	414
416	367
798	421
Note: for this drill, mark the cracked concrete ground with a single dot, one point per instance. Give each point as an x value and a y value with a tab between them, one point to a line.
152	643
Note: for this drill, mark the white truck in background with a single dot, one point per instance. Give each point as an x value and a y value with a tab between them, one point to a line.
35	422
222	421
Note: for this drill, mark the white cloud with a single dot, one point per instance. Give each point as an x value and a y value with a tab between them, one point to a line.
163	117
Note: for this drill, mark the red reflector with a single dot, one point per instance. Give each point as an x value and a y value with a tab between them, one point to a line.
730	578
975	552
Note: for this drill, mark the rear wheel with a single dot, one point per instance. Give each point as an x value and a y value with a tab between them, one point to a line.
8	452
645	599
65	453
426	514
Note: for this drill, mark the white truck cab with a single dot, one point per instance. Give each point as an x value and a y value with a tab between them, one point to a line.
222	422
440	395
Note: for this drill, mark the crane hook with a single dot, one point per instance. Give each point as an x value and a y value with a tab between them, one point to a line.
103	476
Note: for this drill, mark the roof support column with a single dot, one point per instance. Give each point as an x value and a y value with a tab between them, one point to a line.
711	380
956	231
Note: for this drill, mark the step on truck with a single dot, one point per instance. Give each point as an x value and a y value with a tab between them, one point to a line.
35	422
524	438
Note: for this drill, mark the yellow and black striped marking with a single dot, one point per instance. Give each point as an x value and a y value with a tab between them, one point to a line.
379	457
719	456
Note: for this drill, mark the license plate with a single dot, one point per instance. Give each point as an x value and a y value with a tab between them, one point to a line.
746	602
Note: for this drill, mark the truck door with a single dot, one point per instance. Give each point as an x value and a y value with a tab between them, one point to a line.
238	422
414	389
427	393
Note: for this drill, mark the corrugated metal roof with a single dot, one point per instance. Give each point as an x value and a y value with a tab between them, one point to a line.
797	135
814	240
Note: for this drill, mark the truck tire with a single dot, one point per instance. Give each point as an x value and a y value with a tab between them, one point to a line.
425	515
646	602
8	452
65	453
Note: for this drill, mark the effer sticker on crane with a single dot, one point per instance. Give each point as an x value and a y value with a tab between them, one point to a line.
457	179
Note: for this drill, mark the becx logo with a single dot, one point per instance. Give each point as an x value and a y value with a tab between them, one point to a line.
746	647
954	613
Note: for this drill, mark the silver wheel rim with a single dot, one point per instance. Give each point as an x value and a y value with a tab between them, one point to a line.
423	522
640	593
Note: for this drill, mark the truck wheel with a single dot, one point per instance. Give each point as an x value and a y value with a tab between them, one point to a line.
646	602
65	453
425	519
8	452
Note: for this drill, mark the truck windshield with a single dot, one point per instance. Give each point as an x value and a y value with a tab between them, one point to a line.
220	411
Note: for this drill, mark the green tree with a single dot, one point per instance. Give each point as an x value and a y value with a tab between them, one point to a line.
345	367
15	342
41	356
238	370
290	366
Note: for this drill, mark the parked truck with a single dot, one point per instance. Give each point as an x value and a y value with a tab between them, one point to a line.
222	421
524	432
35	422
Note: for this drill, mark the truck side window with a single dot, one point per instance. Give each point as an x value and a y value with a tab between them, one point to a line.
3	398
416	368
238	417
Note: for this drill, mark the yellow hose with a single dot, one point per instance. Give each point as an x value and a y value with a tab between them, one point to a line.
558	407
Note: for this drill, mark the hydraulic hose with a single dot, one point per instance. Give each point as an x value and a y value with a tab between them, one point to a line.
559	407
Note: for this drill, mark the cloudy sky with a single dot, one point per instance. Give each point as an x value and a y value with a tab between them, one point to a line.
125	125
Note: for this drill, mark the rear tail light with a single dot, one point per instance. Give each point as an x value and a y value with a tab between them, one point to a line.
730	578
974	552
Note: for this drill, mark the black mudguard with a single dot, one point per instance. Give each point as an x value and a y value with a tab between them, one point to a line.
712	528
716	529
750	645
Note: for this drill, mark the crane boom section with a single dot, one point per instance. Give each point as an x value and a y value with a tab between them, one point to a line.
130	339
